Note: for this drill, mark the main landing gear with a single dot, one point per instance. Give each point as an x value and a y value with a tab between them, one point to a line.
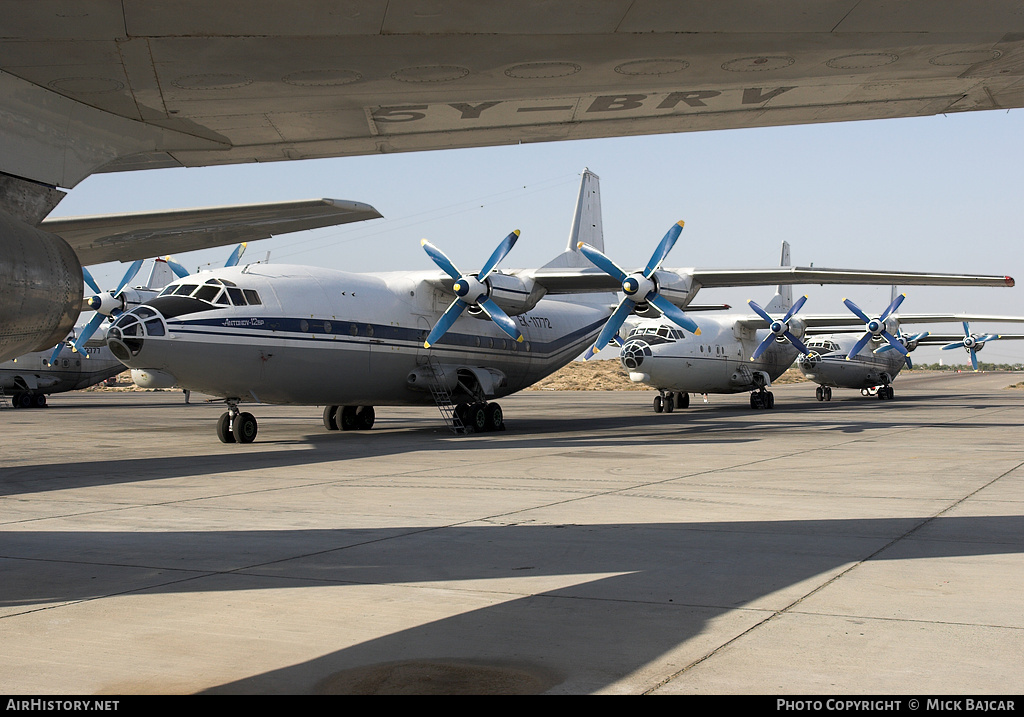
823	393
480	417
884	393
235	426
762	398
349	418
668	401
29	399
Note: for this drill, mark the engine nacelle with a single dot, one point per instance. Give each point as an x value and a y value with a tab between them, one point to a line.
514	295
40	288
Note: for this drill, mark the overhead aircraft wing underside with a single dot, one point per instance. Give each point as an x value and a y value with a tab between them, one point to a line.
127	237
118	85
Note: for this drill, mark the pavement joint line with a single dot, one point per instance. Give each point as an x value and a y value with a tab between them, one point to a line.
835	578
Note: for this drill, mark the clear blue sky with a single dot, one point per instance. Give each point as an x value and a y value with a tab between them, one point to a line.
922	194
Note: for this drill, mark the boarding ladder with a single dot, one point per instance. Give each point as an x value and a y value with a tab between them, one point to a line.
443	397
5	402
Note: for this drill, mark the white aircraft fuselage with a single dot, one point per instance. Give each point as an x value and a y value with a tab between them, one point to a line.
30	377
326	337
827	364
717	361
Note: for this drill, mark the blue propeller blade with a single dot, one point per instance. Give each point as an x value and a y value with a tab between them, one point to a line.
498	254
448	318
892	307
796	342
974	359
797	305
235	255
179	271
56	351
611	328
674	313
895	343
667	242
503	320
861	343
856	310
441	260
768	341
90	281
87	332
602	262
128	276
760	312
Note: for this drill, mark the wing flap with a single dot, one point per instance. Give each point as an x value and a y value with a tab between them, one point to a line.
127	237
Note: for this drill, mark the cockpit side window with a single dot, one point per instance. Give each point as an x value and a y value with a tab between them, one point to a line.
185	289
236	296
207	292
252	297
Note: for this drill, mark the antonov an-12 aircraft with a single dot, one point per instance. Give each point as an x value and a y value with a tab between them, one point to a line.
741	352
844	360
314	336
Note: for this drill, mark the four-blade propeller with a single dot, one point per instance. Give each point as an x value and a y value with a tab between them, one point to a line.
471	290
639	287
873	328
971	342
778	327
106	304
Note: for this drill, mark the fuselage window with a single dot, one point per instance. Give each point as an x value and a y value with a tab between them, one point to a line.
207	293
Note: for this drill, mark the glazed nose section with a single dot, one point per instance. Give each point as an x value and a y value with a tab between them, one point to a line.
127	335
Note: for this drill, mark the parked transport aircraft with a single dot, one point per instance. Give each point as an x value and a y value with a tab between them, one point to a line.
106	86
315	336
841	360
741	352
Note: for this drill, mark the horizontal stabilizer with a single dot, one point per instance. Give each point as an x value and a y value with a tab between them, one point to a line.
126	237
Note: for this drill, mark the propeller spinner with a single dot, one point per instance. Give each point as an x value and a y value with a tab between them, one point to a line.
472	291
778	328
972	342
874	328
638	287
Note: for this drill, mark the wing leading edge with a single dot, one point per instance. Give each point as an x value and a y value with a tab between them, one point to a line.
126	237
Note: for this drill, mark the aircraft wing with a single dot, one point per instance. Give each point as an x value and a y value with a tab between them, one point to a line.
939	339
127	237
162	83
711	278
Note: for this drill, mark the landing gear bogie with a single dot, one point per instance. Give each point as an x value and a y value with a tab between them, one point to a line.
349	418
480	417
823	393
762	399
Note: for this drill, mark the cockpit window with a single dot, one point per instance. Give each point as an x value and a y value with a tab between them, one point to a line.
252	297
184	289
236	296
216	291
207	293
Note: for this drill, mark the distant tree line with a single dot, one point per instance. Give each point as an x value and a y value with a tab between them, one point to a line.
982	366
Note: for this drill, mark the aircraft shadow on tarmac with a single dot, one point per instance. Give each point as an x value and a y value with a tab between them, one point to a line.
721	424
657	585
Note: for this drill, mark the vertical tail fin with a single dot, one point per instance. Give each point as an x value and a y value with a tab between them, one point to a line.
587	226
783	299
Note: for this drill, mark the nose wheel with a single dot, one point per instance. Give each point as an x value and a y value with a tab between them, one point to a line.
823	393
236	426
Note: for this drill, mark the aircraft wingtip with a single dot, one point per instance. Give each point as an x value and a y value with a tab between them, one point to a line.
1009	281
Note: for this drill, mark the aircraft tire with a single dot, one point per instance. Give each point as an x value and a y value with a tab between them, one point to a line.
224	428
682	399
331	418
365	416
38	400
244	428
659	404
828	393
494	416
476	418
23	400
347	420
769	399
819	393
669	403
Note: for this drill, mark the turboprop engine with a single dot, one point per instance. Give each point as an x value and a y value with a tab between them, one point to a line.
40	288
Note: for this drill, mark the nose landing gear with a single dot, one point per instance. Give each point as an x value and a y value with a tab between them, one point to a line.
823	393
236	426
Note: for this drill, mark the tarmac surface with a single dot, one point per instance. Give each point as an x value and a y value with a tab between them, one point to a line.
852	547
